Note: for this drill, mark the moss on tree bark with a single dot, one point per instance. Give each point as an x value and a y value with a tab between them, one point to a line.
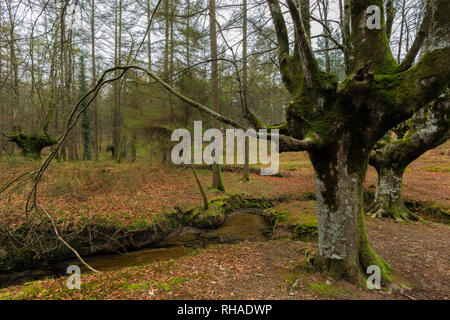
344	248
388	200
31	145
429	128
341	123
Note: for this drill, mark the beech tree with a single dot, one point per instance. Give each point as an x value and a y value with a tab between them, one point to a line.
338	124
31	145
429	128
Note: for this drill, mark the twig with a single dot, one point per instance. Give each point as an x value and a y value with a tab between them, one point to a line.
65	243
408	296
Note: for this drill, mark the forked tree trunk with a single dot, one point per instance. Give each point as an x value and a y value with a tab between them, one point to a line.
430	128
339	123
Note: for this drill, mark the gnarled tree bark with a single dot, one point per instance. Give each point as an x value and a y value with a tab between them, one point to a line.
345	120
429	128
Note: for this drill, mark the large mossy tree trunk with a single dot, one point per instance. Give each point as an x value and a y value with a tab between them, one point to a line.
31	145
429	128
344	249
340	123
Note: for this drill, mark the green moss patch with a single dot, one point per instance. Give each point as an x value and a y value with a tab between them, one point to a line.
170	285
327	291
432	169
32	144
296	220
219	208
429	211
136	286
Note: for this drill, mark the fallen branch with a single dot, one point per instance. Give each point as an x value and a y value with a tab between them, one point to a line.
55	228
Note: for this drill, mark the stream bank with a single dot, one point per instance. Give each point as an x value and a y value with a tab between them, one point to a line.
95	240
247	224
178	234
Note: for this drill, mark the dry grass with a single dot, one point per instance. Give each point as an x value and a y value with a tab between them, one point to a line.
132	193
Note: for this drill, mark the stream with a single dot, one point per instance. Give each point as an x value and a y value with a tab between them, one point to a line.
247	224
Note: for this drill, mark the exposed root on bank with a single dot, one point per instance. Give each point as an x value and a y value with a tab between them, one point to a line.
396	212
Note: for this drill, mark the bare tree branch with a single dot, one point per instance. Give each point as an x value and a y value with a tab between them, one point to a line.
308	60
390	16
55	229
338	45
284	58
420	38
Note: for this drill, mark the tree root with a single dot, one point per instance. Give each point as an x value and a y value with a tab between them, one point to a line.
396	212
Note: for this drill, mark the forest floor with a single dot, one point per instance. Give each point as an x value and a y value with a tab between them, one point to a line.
267	270
131	194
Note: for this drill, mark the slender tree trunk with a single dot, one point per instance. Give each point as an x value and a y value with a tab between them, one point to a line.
188	33
85	116
2	111
149	61
94	80
63	73
14	68
149	38
217	181
2	106
68	66
246	176
402	26
118	57
69	91
54	69
133	148
171	57
171	40
124	147
200	187
327	40
166	38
